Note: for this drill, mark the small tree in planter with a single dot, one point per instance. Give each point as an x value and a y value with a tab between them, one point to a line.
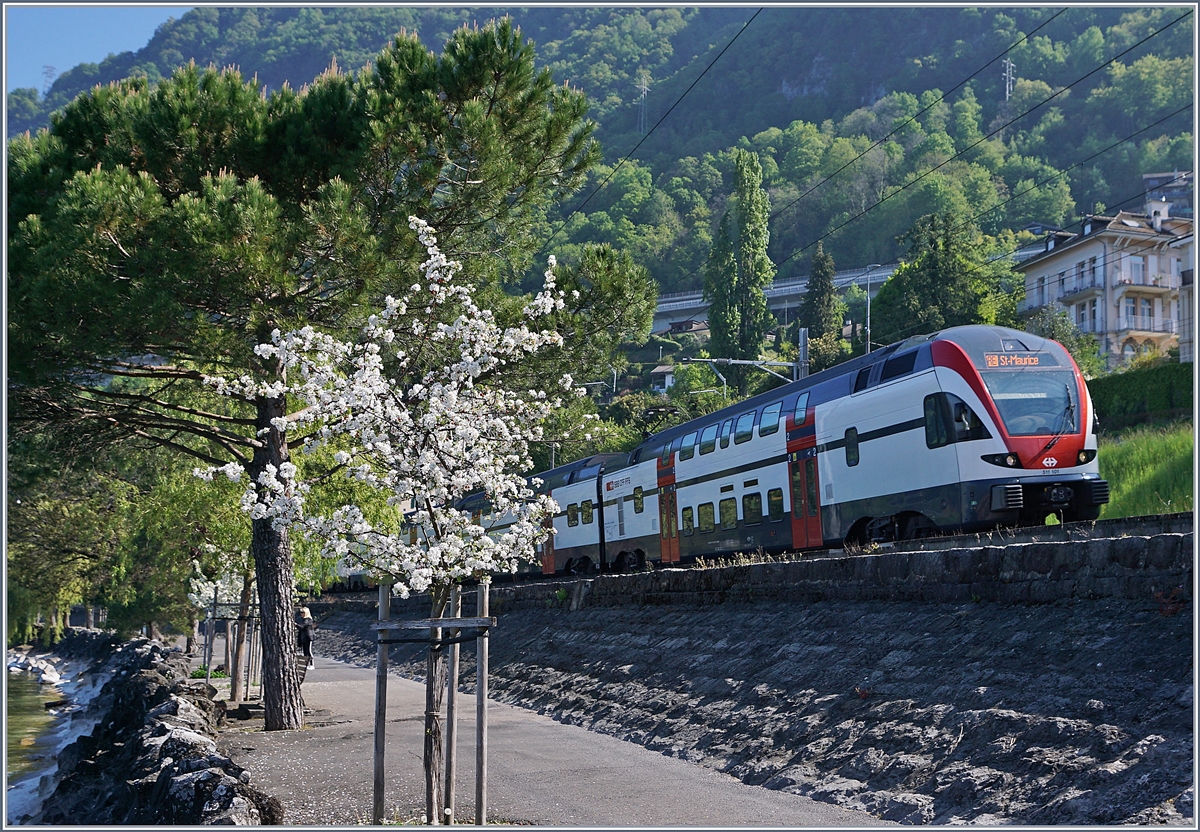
416	414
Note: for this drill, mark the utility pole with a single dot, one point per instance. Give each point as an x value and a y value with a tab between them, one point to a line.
800	370
644	86
1008	75
870	269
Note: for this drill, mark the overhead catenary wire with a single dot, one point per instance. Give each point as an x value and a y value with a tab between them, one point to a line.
1059	174
1103	261
895	130
960	153
911	119
627	156
980	141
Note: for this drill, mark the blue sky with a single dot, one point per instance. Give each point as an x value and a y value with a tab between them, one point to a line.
64	36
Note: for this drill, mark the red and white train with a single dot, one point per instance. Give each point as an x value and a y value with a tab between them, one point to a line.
967	429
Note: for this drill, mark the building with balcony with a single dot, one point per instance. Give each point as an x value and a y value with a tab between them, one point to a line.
1118	278
1175	188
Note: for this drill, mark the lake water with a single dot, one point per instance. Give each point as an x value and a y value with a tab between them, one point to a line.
26	721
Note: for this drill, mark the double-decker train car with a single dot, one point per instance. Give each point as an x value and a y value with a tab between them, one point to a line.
967	429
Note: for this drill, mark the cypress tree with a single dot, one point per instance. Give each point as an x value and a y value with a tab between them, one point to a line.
737	275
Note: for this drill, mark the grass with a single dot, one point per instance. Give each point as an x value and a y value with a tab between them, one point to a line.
1149	470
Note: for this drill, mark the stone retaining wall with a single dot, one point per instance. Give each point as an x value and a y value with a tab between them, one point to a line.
151	758
1026	573
1136	567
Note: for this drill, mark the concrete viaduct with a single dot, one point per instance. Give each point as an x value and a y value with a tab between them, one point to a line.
783	297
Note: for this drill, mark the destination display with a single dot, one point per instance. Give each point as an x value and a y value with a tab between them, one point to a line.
993	360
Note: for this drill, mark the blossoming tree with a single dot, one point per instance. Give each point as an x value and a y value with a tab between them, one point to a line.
415	413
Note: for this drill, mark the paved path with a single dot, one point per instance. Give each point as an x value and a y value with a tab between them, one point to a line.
539	771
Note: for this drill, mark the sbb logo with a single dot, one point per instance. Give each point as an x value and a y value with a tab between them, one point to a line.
1050	462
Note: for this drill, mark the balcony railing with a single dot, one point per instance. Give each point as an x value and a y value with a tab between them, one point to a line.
1145	323
1162	281
1074	286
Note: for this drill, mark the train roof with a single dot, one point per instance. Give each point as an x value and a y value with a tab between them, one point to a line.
975	340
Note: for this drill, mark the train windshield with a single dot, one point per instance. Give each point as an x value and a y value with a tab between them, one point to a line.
1035	403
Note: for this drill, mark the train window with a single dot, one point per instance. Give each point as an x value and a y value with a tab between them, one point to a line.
573	515
860	381
688	449
585	511
797	490
901	365
726	430
708	440
704	514
801	409
775	504
752	507
665	458
745	428
729	513
949	419
770	419
810	475
851	447
687	521
639	500
966	423
936	433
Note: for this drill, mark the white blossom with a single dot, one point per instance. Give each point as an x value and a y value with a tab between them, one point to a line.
420	433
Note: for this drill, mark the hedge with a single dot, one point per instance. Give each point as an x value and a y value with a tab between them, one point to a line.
1165	389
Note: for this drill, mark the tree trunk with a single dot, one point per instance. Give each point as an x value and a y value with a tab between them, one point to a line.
435	689
193	636
282	709
236	683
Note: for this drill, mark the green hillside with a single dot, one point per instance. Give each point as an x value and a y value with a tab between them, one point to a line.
1098	96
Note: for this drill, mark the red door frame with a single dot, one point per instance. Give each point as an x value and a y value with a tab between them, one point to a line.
668	516
806	496
549	567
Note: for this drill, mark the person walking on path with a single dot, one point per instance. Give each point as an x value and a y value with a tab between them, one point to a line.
307	629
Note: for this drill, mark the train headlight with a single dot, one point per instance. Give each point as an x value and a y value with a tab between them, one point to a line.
1008	460
1086	456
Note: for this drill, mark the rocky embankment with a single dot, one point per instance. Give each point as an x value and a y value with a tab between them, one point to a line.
144	751
1070	711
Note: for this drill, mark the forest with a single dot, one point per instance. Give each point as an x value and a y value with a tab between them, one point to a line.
859	132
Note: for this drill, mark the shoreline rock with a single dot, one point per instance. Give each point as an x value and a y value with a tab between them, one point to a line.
146	753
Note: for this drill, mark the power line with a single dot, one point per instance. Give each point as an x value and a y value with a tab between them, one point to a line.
972	220
911	119
613	173
961	152
896	130
981	140
1102	261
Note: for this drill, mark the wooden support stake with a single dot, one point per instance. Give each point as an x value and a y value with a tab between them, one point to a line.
209	637
381	668
481	693
452	704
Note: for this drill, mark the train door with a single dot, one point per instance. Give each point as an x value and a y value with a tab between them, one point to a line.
806	505
548	565
802	471
668	518
668	526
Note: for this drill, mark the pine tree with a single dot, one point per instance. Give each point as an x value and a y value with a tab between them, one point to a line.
821	310
157	235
